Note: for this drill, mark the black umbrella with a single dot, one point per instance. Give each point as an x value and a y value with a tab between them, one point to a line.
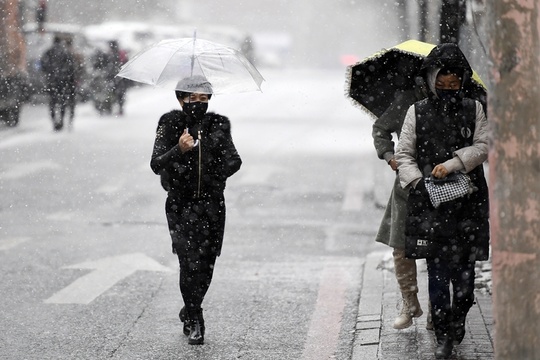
373	82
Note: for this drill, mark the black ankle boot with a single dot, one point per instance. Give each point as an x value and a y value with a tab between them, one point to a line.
196	328
182	316
458	328
444	348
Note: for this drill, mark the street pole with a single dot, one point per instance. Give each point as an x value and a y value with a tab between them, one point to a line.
423	5
451	19
514	161
403	19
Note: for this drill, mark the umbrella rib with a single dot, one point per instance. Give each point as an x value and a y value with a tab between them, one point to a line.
221	59
170	57
200	67
193	52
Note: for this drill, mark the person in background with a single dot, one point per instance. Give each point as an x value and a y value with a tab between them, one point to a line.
446	133
73	86
41	14
194	154
59	66
392	229
248	49
118	57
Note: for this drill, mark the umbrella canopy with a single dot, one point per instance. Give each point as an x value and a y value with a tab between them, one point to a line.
167	62
373	82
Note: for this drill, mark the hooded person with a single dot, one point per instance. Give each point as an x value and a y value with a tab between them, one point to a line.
194	155
392	228
442	135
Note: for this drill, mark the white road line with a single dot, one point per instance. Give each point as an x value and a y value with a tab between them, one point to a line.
258	174
61	216
18	140
111	187
107	272
323	334
354	196
10	243
17	171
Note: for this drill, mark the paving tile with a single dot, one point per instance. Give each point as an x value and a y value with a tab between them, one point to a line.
365	352
363	325
369	317
367	337
376	339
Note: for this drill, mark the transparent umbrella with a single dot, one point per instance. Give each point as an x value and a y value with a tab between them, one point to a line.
167	62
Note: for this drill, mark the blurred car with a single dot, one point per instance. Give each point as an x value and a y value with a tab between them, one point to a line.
136	36
131	36
272	49
40	40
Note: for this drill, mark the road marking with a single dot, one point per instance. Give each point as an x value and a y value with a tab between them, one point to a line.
10	243
323	334
258	174
18	140
61	216
111	187
107	272
22	170
354	196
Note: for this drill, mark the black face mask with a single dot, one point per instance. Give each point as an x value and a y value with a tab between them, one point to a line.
196	109
448	96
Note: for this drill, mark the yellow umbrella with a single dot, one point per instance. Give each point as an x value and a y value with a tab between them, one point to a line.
373	81
423	48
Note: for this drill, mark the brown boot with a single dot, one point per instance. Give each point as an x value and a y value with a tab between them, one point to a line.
429	322
406	277
410	309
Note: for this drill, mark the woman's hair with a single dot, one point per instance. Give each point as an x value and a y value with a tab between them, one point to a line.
183	94
452	70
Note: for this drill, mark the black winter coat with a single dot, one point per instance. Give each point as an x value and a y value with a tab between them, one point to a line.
462	225
459	227
203	171
59	66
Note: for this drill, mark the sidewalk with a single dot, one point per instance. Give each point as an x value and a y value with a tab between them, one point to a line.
379	305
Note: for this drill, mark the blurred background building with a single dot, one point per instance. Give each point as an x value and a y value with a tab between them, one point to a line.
317	33
293	33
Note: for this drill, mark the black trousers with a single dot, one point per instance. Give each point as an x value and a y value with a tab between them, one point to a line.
61	99
196	227
449	313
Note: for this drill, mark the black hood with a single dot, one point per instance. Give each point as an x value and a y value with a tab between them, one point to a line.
446	55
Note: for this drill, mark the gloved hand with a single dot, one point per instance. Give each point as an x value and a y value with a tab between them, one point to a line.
419	189
421	185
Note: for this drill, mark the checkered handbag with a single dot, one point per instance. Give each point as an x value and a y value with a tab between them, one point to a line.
450	188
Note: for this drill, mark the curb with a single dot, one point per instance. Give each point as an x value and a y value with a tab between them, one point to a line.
369	320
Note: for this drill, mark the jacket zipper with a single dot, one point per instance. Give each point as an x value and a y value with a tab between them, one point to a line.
200	164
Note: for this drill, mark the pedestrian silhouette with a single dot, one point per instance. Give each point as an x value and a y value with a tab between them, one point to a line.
194	155
444	137
59	67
